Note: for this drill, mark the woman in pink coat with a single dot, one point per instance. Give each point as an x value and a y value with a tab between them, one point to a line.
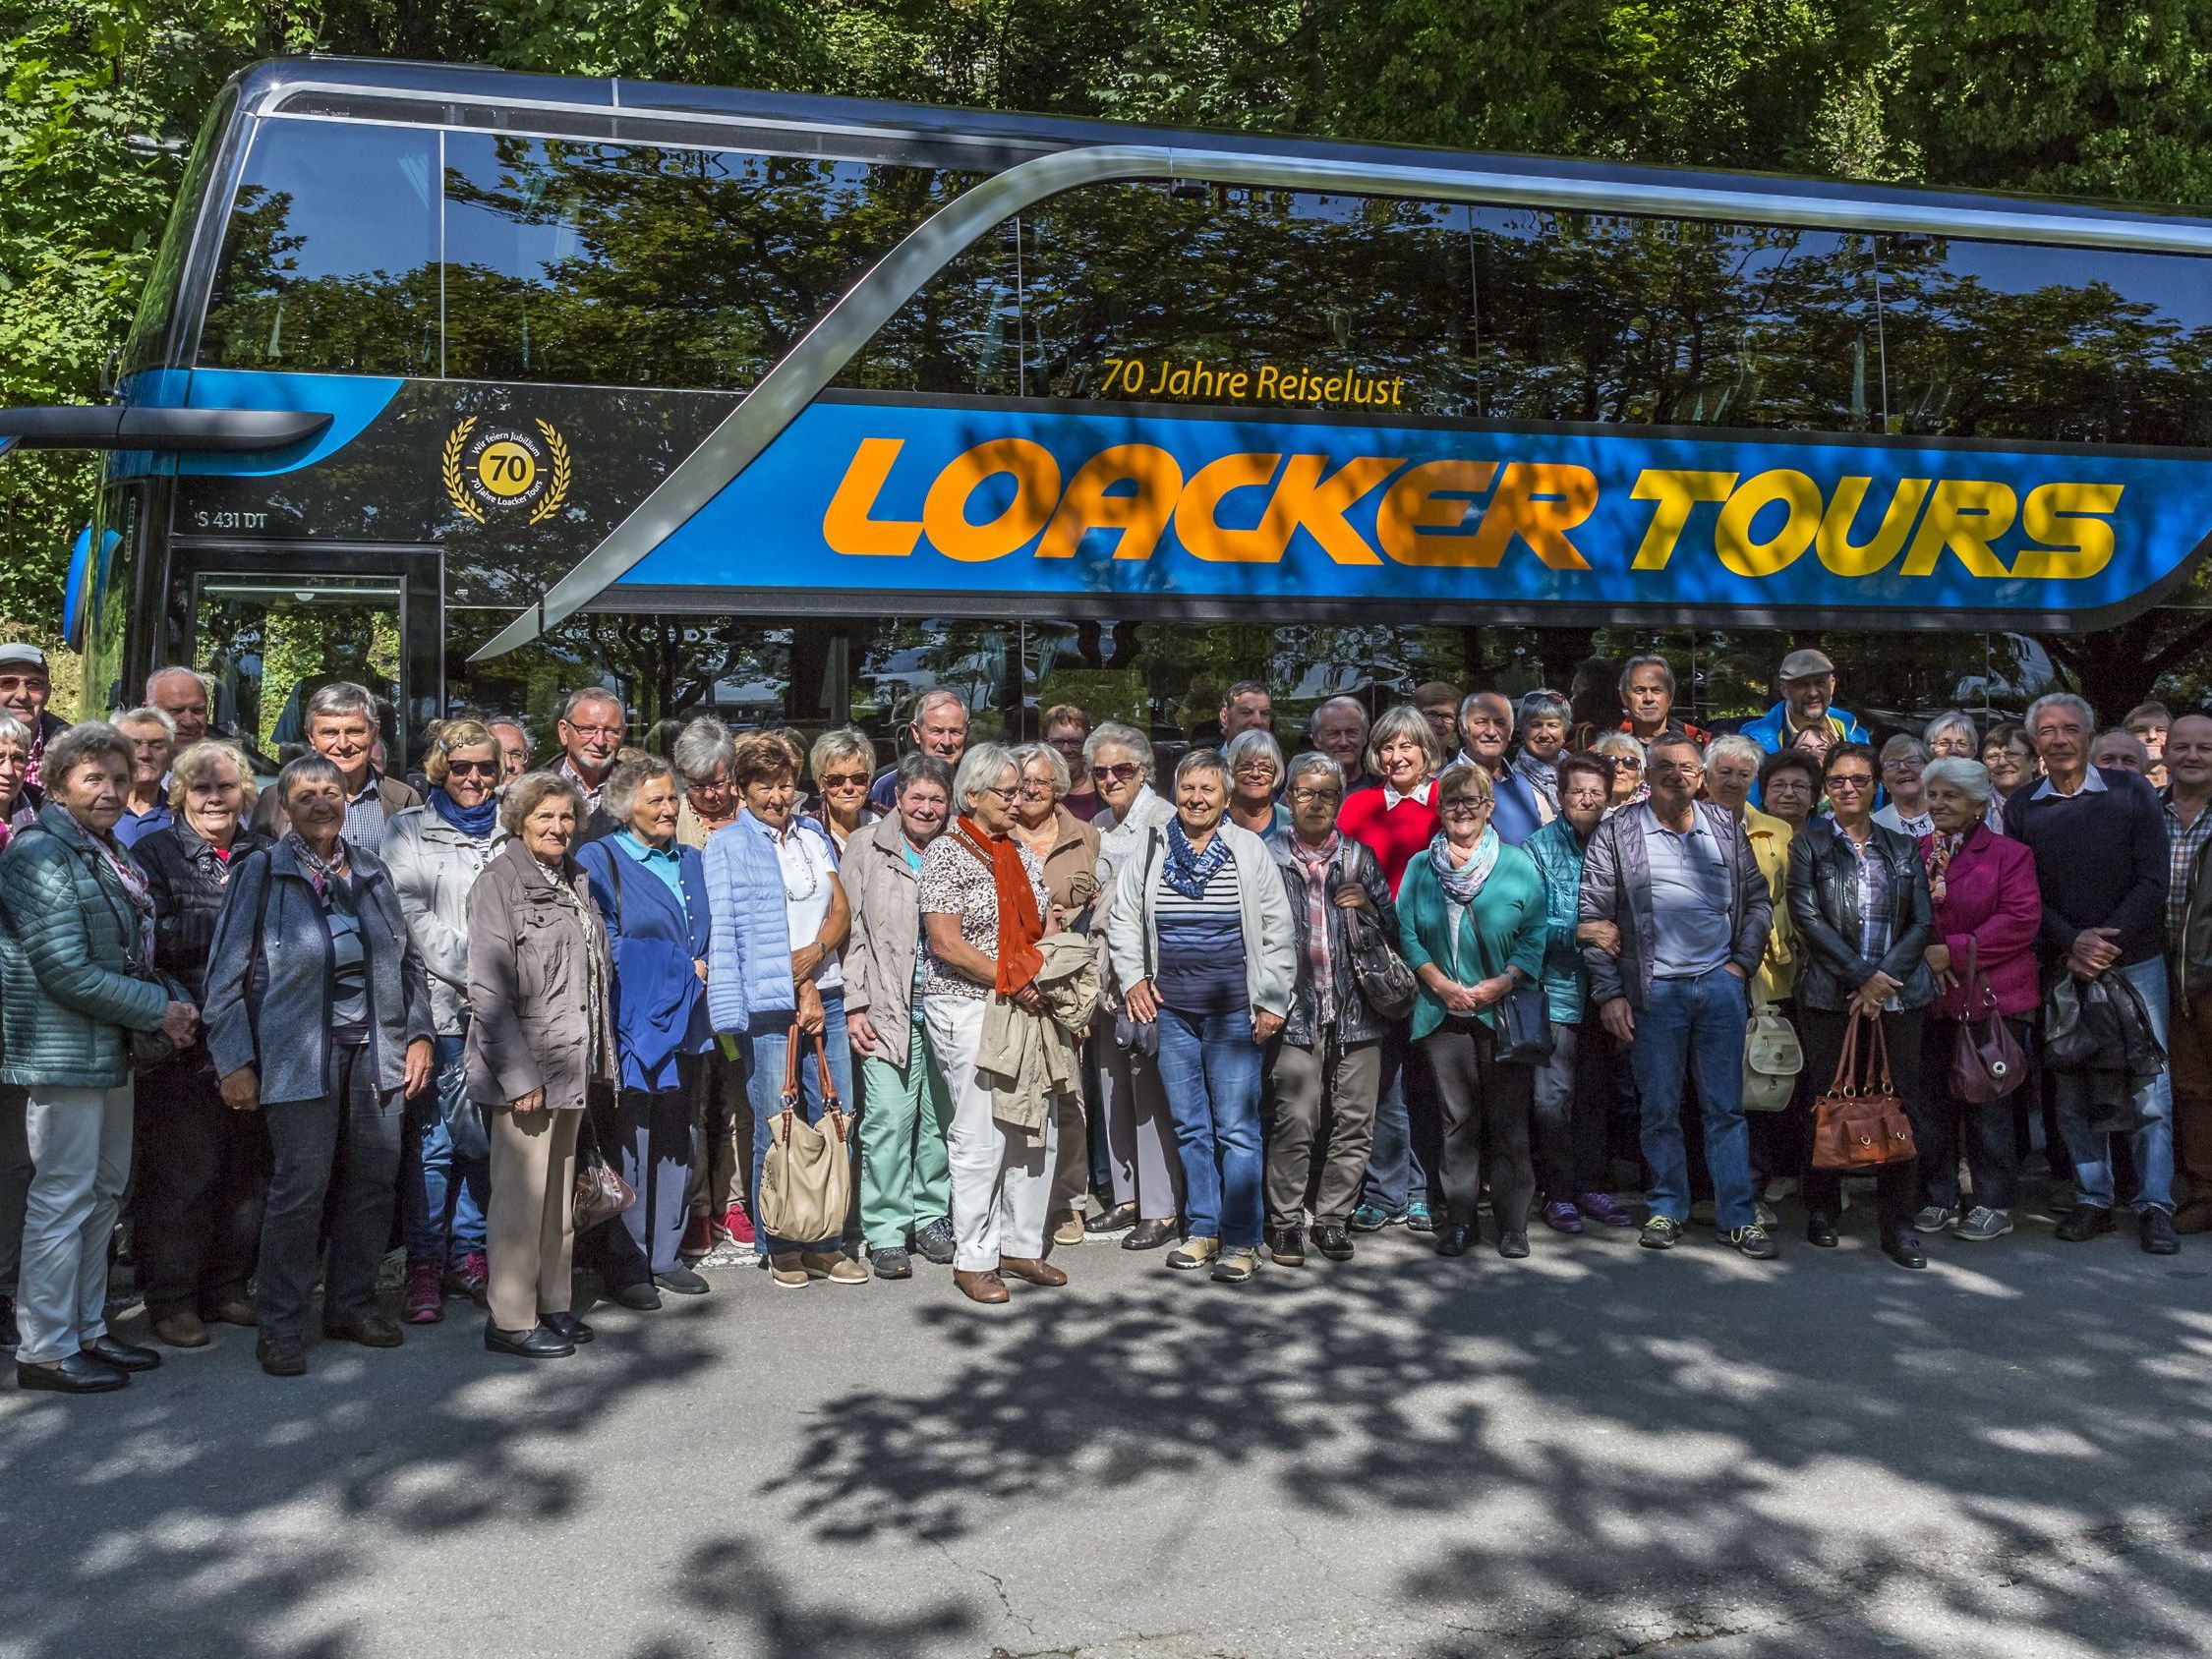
1988	911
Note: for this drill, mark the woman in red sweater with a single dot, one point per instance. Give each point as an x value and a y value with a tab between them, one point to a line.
1396	817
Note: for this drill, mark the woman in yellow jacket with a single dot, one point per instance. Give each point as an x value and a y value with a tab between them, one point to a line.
1731	770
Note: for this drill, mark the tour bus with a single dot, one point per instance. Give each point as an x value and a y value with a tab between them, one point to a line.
480	386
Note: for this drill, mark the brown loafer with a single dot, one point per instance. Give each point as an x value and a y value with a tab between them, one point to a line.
1031	1270
979	1286
238	1311
181	1330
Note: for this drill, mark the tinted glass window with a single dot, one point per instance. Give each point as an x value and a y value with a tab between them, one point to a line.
330	258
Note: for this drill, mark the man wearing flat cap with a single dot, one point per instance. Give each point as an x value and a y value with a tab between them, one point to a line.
1806	718
23	691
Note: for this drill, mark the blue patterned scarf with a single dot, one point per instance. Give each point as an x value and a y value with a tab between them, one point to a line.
1187	872
1464	882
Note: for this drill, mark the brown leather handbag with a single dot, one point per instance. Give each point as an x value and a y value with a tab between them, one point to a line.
1861	1125
806	1176
1985	1062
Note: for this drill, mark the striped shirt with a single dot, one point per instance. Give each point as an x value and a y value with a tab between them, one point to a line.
1201	943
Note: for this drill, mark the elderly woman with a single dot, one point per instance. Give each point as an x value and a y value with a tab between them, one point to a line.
1628	760
318	1018
701	755
1951	735
1988	912
14	1155
651	891
145	804
905	1184
1789	788
1474	920
2008	755
984	909
1066	848
1256	773
16	810
781	916
842	765
1203	935
541	995
436	852
1858	900
1397	821
1733	765
1068	730
200	1166
1328	1066
1143	1170
1903	757
76	924
1544	718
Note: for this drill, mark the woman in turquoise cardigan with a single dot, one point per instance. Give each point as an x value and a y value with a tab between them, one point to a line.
1471	917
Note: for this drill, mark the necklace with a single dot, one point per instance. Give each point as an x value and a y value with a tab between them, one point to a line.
813	875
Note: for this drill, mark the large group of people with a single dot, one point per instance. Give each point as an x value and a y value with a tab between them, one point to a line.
1464	957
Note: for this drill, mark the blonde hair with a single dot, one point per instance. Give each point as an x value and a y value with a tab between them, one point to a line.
192	766
460	732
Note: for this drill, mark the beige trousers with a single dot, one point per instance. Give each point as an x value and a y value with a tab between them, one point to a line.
531	1229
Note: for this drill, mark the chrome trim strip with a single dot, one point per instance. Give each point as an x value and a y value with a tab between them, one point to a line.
808	368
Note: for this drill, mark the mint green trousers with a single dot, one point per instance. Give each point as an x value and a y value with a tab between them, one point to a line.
905	1182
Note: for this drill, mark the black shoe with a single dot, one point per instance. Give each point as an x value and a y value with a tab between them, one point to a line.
641	1297
935	1241
1659	1232
8	1337
370	1329
1513	1247
537	1343
681	1282
1151	1236
1333	1240
1752	1241
1819	1232
893	1262
78	1373
2084	1224
1286	1246
1905	1251
121	1357
281	1356
568	1325
1117	1219
1452	1241
2158	1235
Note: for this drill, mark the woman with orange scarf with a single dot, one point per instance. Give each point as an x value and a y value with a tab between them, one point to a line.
984	908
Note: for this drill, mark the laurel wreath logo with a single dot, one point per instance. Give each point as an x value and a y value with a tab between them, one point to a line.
455	491
556	447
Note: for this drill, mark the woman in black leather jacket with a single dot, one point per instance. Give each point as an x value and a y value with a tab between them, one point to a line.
1858	896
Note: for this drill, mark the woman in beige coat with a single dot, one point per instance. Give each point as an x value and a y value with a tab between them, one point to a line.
541	1032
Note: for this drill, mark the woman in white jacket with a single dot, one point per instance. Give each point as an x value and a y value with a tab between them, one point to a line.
1201	936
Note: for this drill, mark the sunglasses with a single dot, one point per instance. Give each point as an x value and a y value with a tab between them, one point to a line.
846	780
1119	772
1848	781
471	769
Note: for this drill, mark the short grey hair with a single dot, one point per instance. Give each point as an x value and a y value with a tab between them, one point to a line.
1970	775
1903	744
342	697
584	694
699	748
89	740
1722	748
1950	719
1248	742
198	760
841	743
13	731
2142	748
1649	660
2056	698
915	768
1313	761
1203	760
529	791
979	770
307	768
1056	766
494	722
1339	701
148	715
1403	719
620	797
931	699
1473	699
1621	743
159	674
1122	736
1544	706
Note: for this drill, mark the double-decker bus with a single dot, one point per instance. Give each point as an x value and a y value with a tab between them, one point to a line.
480	386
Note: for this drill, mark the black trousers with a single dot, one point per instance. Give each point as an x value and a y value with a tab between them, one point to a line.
1897	1186
646	1135
1478	1099
202	1175
1939	1119
15	1181
332	1160
1571	1095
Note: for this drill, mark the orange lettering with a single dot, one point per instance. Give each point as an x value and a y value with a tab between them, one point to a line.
1428	498
847	526
1139	518
1200	532
1538	501
1037	476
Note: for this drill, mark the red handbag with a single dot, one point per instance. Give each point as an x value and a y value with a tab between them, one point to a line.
1861	1125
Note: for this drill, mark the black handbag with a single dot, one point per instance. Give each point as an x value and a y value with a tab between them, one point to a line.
1385	981
1523	1032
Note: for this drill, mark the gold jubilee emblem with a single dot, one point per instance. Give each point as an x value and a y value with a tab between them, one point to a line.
500	468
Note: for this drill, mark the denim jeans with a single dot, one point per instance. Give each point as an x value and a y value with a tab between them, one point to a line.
1406	1164
1698	1024
446	1184
2154	1106
1210	1067
767	1042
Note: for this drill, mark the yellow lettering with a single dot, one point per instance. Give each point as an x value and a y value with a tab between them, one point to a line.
2069	519
1731	534
1237	383
1964	516
1268	375
1539	502
1426	498
1037	476
847	526
1676	494
1846	558
1140	518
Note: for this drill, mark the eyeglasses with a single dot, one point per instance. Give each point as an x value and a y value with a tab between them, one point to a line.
1036	786
846	780
1675	769
1849	781
1006	795
1257	769
1308	797
1121	772
1464	803
471	769
1066	745
610	732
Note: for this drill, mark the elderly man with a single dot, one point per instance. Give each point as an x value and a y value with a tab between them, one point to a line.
341	727
1806	716
2101	854
1339	730
145	804
1246	705
1486	723
939	727
2188	932
23	691
513	739
2150	722
592	726
1647	700
182	695
2119	750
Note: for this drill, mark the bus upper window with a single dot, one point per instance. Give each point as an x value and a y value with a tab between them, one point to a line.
330	259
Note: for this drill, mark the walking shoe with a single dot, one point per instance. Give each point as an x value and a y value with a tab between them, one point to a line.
1931	1217
1779	1188
834	1265
785	1274
737	1225
1374	1217
1604	1209
1661	1233
935	1241
1563	1216
698	1241
640	1297
1287	1246
423	1301
893	1262
1982	1223
237	1311
1236	1266
1819	1232
1905	1251
1150	1235
1753	1241
1072	1229
2084	1223
1703	1212
1114	1219
1333	1240
1762	1215
566	1324
681	1282
181	1330
1194	1253
1420	1219
1453	1240
2156	1227
72	1374
1513	1247
470	1277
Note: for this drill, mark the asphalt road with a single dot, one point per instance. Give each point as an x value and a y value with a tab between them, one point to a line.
1600	1451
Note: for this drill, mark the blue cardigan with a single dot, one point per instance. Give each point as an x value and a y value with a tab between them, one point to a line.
749	962
1556	852
1508	916
660	1006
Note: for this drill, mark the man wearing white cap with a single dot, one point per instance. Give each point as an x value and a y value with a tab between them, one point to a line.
23	690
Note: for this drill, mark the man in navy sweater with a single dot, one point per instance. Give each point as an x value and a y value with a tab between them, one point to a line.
2099	841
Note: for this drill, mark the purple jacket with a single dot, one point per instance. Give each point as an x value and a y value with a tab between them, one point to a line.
1991	900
